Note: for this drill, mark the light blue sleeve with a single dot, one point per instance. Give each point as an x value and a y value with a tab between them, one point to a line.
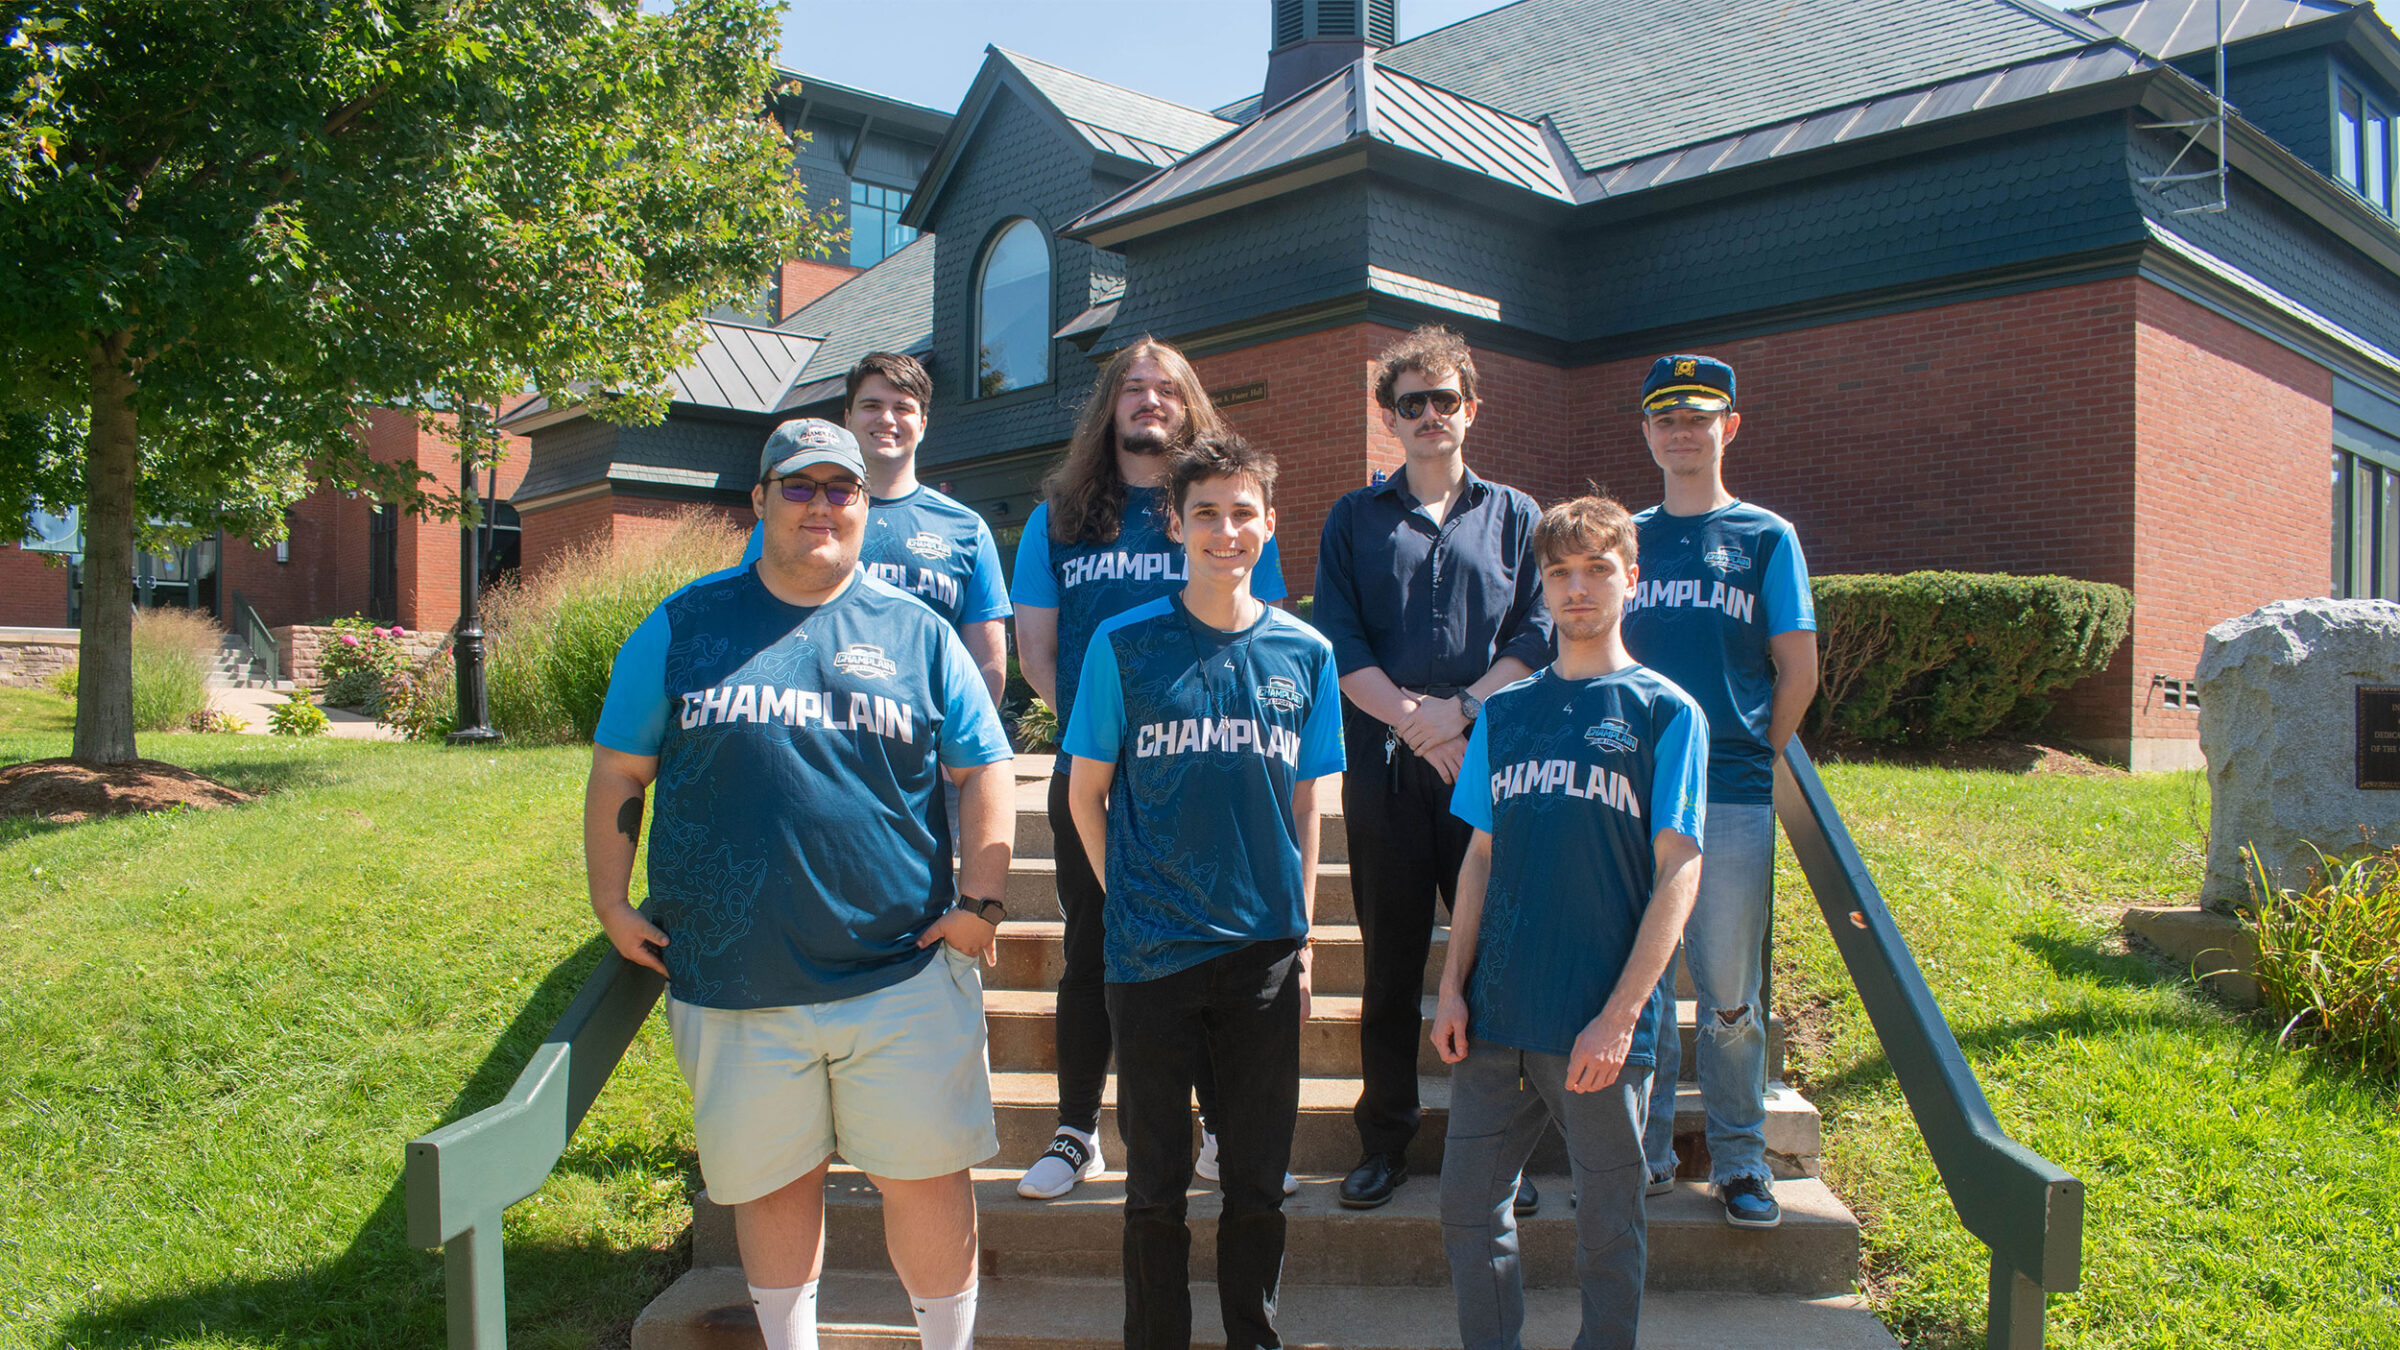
1679	781
633	718
986	599
757	547
1097	730
971	730
1033	584
1321	737
1791	606
1471	800
1266	582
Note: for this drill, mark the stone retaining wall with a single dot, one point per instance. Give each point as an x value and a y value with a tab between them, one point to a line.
33	655
298	646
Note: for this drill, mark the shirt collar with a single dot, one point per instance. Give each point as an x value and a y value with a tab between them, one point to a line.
1396	485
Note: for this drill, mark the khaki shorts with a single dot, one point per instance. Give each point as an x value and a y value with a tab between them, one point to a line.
897	1081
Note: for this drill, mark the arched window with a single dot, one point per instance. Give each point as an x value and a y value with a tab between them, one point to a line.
1012	312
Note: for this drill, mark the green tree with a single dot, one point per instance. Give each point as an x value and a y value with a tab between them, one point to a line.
227	232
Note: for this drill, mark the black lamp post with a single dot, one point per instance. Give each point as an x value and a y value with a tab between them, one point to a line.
474	701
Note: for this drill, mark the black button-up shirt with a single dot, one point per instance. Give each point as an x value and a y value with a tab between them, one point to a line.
1432	605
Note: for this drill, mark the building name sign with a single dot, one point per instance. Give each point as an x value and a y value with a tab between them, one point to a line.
2379	736
1234	397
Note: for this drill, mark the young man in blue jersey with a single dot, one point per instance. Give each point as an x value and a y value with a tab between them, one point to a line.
1584	788
796	717
1724	611
920	540
1096	547
1203	722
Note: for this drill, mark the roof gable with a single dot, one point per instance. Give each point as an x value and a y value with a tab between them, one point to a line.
1617	93
887	308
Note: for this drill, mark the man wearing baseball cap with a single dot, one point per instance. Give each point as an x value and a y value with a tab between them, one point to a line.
797	717
1723	610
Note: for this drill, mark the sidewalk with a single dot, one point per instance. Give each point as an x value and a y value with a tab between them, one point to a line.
255	706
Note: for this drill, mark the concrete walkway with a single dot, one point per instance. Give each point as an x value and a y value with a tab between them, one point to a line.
256	706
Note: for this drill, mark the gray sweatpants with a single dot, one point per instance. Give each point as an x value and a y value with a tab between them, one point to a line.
1500	1101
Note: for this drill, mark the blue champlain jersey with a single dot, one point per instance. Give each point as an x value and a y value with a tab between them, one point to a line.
1209	731
798	838
1090	583
1573	779
931	546
1714	588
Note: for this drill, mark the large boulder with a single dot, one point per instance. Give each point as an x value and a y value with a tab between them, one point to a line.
2278	726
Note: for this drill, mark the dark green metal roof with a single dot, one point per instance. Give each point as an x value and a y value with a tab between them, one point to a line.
1632	78
2171	28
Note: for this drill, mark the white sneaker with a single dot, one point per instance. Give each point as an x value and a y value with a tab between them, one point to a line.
1205	1166
1072	1156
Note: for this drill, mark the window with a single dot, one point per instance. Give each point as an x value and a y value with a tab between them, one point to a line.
2363	142
2366	526
875	229
1012	312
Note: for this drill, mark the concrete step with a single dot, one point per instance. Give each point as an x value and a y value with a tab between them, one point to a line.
1034	839
1023	1038
1325	1141
1033	891
709	1309
1396	1246
1033	956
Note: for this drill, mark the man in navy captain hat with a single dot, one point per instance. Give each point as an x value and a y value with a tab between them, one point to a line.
1722	609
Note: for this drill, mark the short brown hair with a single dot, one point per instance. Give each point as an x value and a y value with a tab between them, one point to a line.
1584	525
1432	351
903	372
1220	454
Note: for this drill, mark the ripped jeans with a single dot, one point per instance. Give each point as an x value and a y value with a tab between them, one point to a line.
1721	946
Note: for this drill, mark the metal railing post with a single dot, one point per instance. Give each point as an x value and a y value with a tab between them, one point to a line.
477	1287
2016	1310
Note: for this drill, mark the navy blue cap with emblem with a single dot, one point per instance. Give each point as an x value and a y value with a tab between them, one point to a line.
1701	382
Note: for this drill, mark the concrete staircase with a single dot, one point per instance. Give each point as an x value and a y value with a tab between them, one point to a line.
235	667
1051	1271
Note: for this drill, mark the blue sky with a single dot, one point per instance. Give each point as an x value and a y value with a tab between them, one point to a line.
1202	53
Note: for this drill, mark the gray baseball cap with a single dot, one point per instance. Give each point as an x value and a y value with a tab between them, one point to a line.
799	443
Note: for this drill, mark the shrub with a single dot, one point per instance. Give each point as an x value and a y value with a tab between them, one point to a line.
214	720
551	641
297	716
2329	956
65	680
421	702
172	650
1037	726
358	657
1929	658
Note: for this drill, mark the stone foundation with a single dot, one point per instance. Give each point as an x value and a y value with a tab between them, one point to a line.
32	655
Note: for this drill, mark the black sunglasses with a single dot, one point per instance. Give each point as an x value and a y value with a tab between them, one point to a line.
1444	401
797	489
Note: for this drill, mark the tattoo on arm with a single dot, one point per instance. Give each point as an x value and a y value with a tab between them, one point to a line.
629	820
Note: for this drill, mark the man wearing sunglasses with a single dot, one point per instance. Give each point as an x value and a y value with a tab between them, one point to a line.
918	539
797	717
1428	588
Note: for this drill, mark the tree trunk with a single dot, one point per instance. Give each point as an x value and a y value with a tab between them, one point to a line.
112	469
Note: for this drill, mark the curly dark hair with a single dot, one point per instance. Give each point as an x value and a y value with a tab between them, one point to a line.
1431	351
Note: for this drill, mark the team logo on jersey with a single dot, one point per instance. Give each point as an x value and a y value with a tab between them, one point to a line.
927	544
1280	693
1615	733
1727	558
866	660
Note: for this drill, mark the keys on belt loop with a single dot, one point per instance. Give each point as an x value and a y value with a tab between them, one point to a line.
1391	760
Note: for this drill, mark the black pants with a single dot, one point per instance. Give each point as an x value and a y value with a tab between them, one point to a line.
1405	847
1080	1030
1245	1006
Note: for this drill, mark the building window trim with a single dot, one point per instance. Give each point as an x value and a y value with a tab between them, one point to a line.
2366	513
873	211
2364	143
983	380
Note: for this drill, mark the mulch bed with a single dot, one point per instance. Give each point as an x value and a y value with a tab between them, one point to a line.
1991	755
66	790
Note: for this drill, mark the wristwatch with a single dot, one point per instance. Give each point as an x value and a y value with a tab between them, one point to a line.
1469	706
990	911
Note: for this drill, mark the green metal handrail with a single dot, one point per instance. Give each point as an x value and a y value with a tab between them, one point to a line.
463	1175
252	630
2021	1205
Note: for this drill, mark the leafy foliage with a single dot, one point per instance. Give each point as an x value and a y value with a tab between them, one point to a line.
172	649
1929	658
357	660
298	716
2329	956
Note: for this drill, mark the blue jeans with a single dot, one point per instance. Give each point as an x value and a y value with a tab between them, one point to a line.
1501	1100
1721	946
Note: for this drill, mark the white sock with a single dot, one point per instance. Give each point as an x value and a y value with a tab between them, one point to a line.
787	1317
946	1323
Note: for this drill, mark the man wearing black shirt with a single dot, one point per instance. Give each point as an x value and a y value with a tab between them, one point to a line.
1428	588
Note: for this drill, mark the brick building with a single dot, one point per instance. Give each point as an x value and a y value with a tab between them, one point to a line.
1991	306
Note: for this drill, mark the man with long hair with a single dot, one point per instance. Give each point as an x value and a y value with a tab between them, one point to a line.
1096	547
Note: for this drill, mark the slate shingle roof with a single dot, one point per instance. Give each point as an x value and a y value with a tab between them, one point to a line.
887	308
1117	120
1629	78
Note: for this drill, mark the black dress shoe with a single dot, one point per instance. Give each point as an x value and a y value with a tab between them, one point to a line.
1374	1179
1528	1199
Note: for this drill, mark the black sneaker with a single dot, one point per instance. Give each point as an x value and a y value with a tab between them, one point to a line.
1750	1203
1528	1199
1372	1182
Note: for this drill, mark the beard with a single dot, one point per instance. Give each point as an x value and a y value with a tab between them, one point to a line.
1583	630
1146	440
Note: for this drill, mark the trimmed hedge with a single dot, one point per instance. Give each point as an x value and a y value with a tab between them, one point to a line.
1929	658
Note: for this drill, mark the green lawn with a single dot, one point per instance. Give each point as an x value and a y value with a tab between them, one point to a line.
223	1026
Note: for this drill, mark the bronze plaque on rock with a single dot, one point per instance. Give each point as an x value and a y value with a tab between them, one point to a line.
2379	736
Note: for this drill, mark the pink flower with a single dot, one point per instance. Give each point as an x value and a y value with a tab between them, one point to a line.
349	639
